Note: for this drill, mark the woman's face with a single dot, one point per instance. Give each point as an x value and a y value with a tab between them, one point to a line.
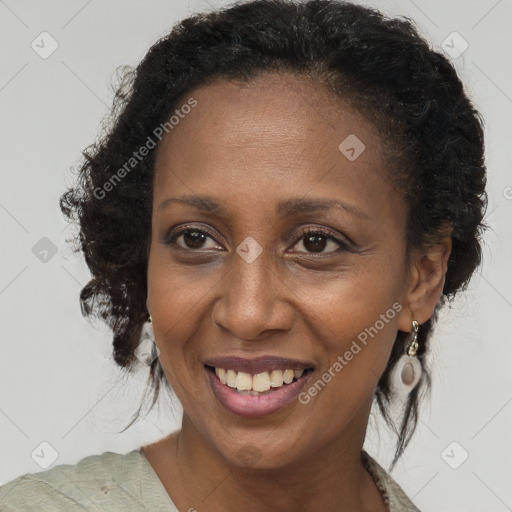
246	281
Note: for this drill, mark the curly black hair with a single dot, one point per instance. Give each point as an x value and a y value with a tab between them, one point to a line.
432	133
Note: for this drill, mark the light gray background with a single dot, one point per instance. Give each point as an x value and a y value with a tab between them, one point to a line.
58	382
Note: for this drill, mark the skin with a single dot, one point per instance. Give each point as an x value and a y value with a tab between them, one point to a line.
250	146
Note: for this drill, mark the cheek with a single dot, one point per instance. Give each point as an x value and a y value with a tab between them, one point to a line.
177	293
179	299
356	351
355	320
171	299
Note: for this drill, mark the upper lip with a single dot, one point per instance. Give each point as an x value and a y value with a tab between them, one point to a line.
257	364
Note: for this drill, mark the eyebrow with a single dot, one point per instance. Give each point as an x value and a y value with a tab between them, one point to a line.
285	208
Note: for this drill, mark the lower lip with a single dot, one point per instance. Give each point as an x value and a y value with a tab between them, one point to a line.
253	406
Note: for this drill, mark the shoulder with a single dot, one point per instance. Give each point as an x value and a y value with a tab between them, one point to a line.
95	480
393	495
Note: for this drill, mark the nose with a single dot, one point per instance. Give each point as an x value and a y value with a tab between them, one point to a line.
253	300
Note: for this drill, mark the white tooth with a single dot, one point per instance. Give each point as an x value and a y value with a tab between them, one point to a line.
261	382
288	376
221	374
216	371
298	373
231	378
243	381
276	378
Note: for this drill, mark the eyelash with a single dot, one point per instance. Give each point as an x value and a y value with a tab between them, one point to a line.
343	245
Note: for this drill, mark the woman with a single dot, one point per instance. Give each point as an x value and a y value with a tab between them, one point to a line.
288	194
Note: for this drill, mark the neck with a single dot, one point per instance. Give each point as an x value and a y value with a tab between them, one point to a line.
332	479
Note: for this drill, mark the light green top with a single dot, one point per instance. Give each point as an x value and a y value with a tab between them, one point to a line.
113	482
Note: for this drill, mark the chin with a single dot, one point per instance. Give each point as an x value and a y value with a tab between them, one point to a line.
263	450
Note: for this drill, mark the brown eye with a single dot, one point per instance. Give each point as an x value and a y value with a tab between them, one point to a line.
317	241
194	239
191	239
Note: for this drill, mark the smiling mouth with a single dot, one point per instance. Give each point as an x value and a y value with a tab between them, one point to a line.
257	384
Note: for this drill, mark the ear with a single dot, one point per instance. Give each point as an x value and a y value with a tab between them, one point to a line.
426	277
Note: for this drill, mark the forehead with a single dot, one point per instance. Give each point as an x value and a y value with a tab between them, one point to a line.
274	137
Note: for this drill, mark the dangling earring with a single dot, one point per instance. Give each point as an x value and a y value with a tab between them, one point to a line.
407	371
147	351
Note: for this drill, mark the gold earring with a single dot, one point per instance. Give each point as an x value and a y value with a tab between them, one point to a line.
413	347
